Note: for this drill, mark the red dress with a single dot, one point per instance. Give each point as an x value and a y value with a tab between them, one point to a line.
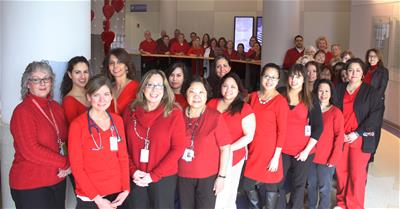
72	108
234	123
271	129
125	98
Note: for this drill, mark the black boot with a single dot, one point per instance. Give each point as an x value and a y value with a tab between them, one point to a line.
271	199
254	199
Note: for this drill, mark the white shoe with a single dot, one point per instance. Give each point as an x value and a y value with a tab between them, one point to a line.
337	207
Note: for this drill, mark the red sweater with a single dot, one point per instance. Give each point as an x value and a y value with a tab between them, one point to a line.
72	108
271	128
176	47
232	56
330	144
97	172
167	141
37	159
291	57
127	95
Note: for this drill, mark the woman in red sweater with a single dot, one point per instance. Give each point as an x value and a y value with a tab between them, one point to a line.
97	148
178	78
73	92
156	140
230	51
39	129
120	70
328	149
203	167
264	164
241	123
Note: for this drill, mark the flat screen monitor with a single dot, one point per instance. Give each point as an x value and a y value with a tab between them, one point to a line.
243	30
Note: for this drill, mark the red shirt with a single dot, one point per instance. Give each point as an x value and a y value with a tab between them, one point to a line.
126	97
72	108
296	140
350	119
234	123
98	172
232	56
212	133
330	144
176	47
148	46
291	57
37	158
270	133
370	73
328	57
198	52
167	140
181	100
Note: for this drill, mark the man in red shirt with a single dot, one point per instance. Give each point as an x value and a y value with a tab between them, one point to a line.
175	39
294	53
180	47
146	47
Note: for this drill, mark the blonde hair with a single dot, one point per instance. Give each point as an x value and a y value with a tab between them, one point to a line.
322	38
168	99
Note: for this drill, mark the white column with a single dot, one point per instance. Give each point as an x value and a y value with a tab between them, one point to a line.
281	23
168	13
31	31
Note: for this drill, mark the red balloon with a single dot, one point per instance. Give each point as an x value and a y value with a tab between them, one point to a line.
108	11
118	5
108	37
106	25
91	15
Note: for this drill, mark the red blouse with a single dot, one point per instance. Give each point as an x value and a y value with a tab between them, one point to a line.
197	52
98	172
350	119
72	108
330	144
212	133
176	47
126	97
37	158
234	123
181	100
270	133
167	140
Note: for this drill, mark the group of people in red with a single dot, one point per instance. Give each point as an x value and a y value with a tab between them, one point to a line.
130	144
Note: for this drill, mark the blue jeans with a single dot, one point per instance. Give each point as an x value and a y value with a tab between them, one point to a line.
320	178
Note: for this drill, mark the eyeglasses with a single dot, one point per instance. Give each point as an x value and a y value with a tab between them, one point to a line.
154	86
40	80
267	77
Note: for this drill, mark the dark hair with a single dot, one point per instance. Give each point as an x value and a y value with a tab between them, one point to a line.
337	68
357	61
222	38
96	82
199	79
213	39
122	56
317	66
237	104
271	65
333	99
378	53
66	84
298	36
305	95
319	51
186	74
208	39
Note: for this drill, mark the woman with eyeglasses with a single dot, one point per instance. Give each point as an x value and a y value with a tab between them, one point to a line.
39	129
264	163
73	92
156	140
97	151
118	67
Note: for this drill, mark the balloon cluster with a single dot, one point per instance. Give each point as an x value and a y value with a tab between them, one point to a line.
108	10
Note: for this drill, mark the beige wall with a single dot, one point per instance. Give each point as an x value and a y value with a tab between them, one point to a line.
362	13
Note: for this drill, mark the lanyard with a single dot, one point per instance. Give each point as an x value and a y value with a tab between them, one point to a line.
195	126
52	121
92	124
146	139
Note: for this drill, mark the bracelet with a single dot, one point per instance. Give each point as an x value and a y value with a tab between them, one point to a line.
221	176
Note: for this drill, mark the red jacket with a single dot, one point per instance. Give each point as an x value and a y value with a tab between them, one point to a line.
37	159
291	57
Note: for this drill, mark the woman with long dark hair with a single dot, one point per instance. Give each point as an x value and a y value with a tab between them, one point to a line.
178	79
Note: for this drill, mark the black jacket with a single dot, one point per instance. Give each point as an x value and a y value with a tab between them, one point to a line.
380	80
367	106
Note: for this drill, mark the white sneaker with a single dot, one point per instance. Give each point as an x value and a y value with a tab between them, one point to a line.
337	207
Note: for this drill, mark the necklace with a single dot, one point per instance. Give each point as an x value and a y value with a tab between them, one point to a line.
264	101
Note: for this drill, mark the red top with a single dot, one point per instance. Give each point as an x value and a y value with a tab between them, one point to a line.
212	133
37	157
296	140
328	57
181	100
98	172
370	73
350	119
330	144
167	140
234	123
270	134
126	97
250	53
148	46
291	57
232	56
72	108
176	47
197	52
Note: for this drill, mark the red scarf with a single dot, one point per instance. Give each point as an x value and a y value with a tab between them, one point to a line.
370	72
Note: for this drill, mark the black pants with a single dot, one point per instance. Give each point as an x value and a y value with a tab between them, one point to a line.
197	193
250	184
299	179
157	195
51	197
92	205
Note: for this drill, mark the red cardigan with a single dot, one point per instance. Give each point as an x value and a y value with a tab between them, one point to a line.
72	108
37	159
100	172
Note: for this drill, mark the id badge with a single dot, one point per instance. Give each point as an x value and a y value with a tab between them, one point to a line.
144	155
63	149
113	143
307	130
188	155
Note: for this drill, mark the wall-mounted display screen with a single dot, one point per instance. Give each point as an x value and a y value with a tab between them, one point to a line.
243	30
